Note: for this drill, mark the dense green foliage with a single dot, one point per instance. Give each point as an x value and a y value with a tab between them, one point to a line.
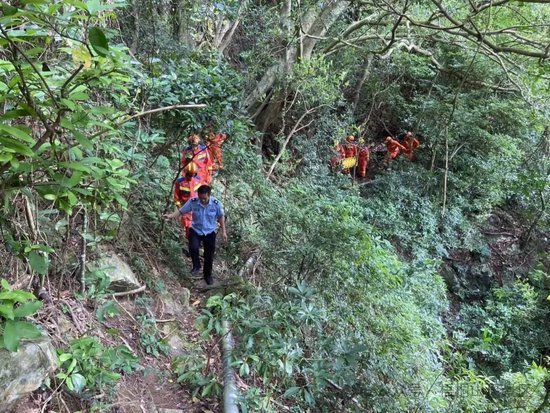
387	295
87	365
15	305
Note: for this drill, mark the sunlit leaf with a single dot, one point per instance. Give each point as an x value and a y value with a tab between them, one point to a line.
81	55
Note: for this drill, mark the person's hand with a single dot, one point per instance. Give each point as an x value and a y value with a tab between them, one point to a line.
224	236
173	215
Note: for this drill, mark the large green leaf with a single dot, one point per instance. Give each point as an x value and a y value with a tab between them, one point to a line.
15	113
63	357
17	296
71	181
26	329
98	41
6	310
27	308
12	145
38	262
8	10
17	133
77	166
291	392
79	382
5	157
83	140
93	6
11	339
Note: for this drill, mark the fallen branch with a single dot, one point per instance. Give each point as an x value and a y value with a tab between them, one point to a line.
30	218
508	234
167	320
125	310
124	293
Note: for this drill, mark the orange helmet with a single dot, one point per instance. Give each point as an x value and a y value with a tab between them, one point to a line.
191	168
194	138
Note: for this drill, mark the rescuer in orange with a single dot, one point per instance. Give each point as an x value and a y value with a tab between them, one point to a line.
338	148
350	150
394	149
198	153
363	159
185	188
410	143
214	144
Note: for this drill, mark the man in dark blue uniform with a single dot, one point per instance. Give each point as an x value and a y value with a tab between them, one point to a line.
207	212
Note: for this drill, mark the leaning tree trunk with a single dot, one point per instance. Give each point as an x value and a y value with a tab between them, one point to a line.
225	29
312	26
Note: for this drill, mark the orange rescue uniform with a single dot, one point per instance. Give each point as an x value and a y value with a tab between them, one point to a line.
363	161
335	160
350	151
185	188
201	157
214	144
410	143
394	149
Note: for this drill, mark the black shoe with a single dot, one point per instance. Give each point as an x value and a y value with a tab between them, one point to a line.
195	272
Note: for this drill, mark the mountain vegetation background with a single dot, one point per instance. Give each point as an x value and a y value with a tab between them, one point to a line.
422	289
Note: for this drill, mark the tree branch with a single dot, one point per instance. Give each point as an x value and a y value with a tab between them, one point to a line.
483	39
45	84
295	129
148	112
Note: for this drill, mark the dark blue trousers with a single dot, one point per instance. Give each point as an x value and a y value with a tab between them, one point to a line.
209	244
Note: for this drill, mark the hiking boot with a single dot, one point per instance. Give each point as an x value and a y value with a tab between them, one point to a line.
195	272
204	285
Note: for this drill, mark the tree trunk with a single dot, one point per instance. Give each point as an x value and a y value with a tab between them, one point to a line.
318	22
314	24
135	39
226	29
361	82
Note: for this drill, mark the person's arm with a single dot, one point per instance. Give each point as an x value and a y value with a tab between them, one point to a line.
172	215
181	211
221	221
220	214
